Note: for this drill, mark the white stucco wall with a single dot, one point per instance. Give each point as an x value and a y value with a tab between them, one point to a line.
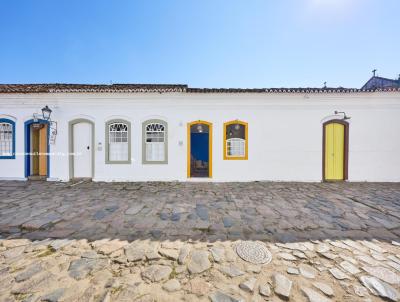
285	133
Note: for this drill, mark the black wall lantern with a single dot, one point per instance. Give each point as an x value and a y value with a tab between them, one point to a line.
46	111
345	117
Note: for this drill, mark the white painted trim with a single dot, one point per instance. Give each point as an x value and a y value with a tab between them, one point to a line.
14	178
10	117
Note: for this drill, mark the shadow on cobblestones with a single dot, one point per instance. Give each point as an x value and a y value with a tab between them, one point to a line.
271	212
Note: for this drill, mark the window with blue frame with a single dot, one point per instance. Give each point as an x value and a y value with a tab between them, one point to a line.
7	139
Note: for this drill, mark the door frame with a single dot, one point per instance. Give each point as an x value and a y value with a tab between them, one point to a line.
189	125
71	144
27	129
346	147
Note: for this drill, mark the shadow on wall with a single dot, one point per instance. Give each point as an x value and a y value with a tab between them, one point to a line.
209	212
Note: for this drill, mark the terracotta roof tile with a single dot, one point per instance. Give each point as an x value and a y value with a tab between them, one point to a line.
287	90
167	88
54	88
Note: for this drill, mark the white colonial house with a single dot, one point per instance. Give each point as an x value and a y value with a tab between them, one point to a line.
172	132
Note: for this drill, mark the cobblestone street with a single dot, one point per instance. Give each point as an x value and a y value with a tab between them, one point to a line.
179	241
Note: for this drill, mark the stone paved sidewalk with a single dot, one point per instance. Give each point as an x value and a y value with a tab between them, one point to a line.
177	241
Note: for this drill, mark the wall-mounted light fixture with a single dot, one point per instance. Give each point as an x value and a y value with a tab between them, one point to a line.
345	117
46	112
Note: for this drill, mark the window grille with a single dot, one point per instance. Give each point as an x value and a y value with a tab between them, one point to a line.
118	142
6	139
235	147
155	142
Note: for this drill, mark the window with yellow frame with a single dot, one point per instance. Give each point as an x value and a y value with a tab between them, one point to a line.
235	140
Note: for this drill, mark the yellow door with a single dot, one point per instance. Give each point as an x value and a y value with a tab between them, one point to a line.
334	151
43	151
35	151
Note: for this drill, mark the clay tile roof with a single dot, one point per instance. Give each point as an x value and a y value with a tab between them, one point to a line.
54	88
167	88
287	90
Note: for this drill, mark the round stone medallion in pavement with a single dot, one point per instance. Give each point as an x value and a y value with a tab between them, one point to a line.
253	252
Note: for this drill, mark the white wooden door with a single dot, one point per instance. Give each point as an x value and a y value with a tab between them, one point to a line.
82	142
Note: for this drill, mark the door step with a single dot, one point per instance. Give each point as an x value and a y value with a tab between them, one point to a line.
37	177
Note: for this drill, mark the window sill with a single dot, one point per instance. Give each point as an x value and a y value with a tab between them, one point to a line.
236	158
155	163
126	162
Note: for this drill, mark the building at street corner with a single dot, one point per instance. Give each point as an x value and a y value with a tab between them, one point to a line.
132	132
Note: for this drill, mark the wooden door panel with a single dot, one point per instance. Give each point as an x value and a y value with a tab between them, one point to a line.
35	151
43	151
82	148
329	165
334	151
338	151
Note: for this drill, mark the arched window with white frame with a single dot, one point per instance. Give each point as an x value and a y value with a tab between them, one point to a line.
118	143
7	139
235	140
155	142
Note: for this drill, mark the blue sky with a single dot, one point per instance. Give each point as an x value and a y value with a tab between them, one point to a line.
207	43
